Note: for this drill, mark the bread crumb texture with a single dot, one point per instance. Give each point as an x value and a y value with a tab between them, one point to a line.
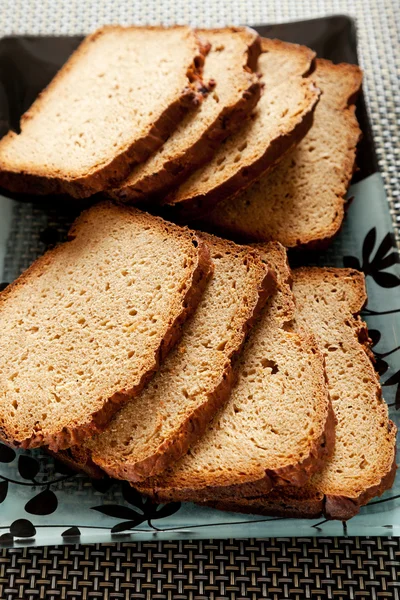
275	415
156	428
301	202
85	325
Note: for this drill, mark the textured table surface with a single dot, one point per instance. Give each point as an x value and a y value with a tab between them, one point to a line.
277	569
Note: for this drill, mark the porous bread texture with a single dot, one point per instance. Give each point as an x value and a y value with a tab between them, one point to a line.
280	120
276	426
154	430
283	60
230	66
301	202
362	465
114	102
87	324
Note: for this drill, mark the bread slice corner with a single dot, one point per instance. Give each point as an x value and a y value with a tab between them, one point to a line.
301	203
101	114
280	120
229	71
90	321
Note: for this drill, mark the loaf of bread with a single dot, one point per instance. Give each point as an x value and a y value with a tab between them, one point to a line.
363	463
87	324
280	120
301	202
114	102
230	67
277	425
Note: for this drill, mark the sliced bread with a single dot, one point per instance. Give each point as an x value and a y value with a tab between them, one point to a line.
275	427
153	431
114	102
280	120
301	203
230	65
363	462
87	324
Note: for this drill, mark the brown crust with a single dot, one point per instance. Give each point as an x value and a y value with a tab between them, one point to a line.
117	169
341	507
194	426
320	240
74	436
290	48
304	508
77	458
195	207
295	474
191	429
311	506
153	187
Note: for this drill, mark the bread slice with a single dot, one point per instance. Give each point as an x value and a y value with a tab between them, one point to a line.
301	203
363	462
230	65
281	119
153	431
276	426
88	323
114	102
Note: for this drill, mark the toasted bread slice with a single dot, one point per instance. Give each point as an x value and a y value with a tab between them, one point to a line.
114	102
277	424
87	324
363	462
301	202
153	431
230	65
280	120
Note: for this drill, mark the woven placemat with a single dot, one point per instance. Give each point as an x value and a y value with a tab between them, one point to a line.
315	568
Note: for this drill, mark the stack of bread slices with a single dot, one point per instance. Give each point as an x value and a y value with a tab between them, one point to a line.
153	345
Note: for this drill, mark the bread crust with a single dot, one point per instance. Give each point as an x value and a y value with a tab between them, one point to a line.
315	240
116	169
194	207
192	428
152	187
257	482
317	503
194	425
97	421
78	459
296	474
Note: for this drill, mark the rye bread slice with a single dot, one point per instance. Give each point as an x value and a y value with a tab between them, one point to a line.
115	101
280	120
277	424
87	324
363	462
301	202
230	66
156	429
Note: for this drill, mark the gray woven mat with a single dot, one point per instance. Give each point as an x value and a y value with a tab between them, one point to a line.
246	569
220	570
